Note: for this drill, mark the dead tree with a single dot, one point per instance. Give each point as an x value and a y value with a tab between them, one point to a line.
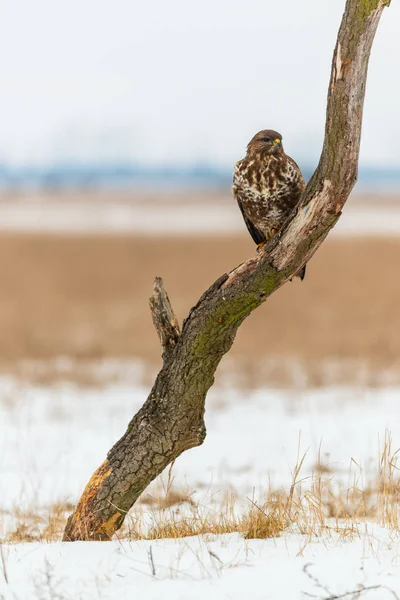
171	420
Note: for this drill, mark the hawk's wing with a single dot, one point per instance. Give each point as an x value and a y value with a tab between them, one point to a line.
300	179
255	233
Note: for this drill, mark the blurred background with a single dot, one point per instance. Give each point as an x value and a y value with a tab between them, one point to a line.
121	123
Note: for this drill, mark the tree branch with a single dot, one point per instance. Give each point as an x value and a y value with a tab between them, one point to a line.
171	419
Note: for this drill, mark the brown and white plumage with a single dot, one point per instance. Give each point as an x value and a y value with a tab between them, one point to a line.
267	185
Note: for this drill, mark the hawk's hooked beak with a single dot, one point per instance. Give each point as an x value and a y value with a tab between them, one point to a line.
277	143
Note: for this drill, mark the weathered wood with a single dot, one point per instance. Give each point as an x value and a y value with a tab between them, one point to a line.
171	419
164	319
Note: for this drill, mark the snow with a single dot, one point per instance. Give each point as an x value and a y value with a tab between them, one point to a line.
215	567
181	219
53	438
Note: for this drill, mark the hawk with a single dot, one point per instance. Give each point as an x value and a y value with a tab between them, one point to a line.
267	185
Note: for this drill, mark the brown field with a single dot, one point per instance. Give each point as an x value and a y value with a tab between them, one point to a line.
87	298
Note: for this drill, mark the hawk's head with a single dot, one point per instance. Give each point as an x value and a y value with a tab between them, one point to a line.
265	141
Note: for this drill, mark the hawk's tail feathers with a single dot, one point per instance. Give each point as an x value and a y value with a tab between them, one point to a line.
302	273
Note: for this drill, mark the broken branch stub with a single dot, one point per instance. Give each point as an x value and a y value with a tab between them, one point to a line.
164	319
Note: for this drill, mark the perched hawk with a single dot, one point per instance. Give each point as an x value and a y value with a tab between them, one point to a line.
267	185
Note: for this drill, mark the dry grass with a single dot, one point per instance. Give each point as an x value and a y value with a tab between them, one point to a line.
260	522
43	525
313	506
87	299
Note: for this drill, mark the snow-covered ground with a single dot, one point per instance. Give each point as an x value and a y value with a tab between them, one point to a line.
216	568
180	219
53	438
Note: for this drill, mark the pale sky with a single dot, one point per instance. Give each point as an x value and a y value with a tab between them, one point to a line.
172	81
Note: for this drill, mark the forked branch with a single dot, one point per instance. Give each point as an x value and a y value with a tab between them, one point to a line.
171	420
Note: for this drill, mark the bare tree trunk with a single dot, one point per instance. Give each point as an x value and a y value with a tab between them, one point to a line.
171	420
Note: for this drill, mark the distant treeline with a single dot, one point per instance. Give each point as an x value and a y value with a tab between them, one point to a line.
61	176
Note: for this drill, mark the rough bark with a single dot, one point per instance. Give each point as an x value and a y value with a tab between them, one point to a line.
171	420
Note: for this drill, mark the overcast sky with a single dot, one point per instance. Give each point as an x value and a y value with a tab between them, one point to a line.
168	81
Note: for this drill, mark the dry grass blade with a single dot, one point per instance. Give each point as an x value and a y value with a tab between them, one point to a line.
354	594
3	564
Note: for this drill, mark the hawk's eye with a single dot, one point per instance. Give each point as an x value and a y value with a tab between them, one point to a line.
266	139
